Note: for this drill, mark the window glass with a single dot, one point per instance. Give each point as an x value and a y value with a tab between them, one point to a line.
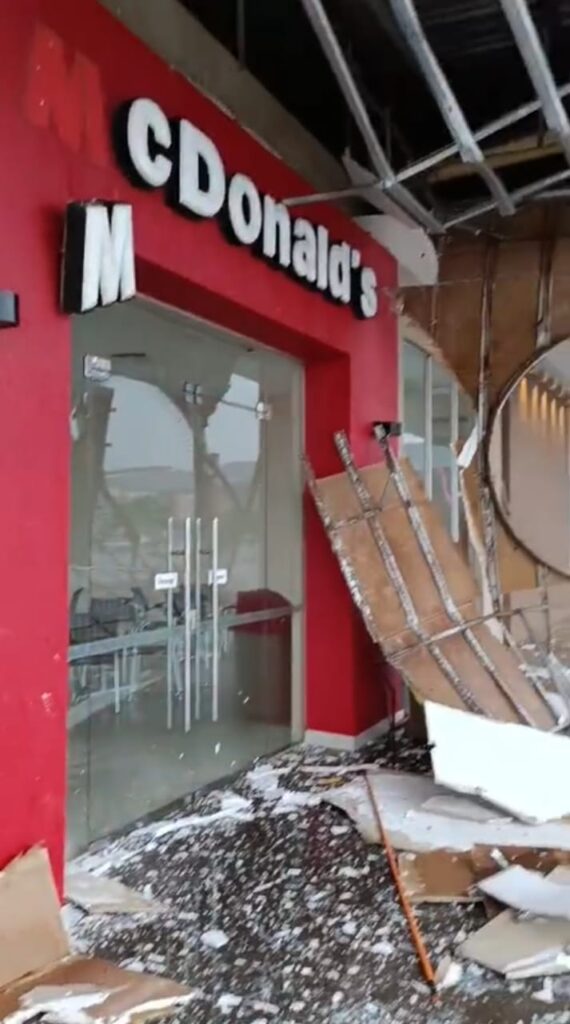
414	383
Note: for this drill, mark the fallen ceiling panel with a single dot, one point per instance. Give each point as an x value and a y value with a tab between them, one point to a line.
428	627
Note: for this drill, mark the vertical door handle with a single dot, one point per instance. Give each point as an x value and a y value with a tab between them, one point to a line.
198	620
215	622
187	624
169	624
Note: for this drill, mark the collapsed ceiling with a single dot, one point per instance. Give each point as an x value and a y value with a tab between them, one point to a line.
399	81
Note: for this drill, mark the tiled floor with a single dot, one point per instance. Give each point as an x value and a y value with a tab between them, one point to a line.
124	765
314	932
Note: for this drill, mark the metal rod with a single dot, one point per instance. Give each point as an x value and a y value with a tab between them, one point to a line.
198	614
151	637
431	160
169	623
487	509
215	622
339	65
454	440
531	50
544	305
450	110
396	578
445	634
187	624
409	913
520	194
428	426
543	337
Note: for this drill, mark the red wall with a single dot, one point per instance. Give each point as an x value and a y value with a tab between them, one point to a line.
351	368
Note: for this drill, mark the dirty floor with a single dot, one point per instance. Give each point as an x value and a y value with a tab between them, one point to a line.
284	916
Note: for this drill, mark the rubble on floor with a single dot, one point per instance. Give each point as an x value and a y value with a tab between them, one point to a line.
276	911
40	978
261	900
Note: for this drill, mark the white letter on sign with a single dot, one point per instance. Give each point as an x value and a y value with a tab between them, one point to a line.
145	120
99	257
201	176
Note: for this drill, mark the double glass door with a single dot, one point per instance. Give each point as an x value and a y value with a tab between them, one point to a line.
185	560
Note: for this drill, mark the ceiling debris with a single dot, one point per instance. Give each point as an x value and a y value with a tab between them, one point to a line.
530	892
41	978
413	828
417	596
523	771
98	895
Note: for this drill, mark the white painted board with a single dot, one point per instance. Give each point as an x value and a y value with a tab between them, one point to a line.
402	798
519	948
524	771
530	891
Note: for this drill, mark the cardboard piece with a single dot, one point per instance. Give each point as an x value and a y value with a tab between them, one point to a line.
442	876
32	936
366	574
519	769
131	996
438	877
35	955
99	895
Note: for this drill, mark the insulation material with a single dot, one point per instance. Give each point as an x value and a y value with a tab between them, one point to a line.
530	892
523	771
448	670
37	967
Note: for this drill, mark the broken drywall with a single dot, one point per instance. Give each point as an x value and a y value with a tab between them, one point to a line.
522	770
99	895
531	892
401	798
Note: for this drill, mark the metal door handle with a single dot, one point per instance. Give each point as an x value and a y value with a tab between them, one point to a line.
215	621
198	620
187	624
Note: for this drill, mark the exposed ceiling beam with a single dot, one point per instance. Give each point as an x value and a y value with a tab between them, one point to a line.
524	150
427	162
339	65
519	195
540	73
450	110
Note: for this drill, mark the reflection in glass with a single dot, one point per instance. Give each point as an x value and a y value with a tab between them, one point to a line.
414	364
529	458
444	460
178	480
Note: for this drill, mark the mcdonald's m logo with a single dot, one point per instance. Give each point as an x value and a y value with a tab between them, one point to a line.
63	92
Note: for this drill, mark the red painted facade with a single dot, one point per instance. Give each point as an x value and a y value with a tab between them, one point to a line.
65	67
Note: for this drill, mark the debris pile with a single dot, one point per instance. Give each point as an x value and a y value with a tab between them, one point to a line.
490	827
40	978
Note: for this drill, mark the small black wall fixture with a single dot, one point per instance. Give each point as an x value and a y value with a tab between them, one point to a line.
9	309
386	428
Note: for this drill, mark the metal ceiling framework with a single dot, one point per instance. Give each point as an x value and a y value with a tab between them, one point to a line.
465	141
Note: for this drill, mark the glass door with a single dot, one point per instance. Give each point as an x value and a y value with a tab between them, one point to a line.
185	560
